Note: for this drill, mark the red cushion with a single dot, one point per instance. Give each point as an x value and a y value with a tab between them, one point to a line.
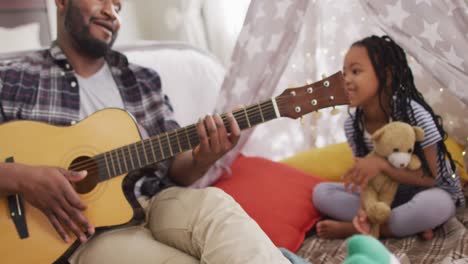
275	195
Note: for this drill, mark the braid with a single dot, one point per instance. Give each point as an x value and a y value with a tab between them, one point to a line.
388	57
361	147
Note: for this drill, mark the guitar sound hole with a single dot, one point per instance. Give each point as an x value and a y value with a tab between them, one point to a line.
91	180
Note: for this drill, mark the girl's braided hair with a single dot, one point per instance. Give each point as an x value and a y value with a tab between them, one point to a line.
388	57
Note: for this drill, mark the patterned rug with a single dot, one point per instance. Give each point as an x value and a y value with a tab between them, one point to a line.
449	246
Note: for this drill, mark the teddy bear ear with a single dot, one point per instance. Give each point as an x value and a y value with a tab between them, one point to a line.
419	133
377	134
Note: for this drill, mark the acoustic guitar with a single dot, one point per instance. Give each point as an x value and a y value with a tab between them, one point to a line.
108	145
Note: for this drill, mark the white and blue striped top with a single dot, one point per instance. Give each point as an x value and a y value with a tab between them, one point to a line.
423	120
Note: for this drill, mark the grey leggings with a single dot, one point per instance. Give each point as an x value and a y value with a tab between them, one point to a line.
426	210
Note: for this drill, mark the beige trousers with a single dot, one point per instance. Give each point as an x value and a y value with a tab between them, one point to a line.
185	226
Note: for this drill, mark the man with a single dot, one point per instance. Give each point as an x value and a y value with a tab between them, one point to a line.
58	86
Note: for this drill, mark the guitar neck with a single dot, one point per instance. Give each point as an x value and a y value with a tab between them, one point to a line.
166	145
292	103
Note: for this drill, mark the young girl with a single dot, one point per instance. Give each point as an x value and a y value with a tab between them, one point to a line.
379	83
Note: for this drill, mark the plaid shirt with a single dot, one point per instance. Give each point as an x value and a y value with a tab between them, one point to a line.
42	86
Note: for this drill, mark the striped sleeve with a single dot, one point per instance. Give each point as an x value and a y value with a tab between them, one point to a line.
349	132
423	119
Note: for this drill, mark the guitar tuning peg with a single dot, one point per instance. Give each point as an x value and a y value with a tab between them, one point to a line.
317	115
335	111
301	120
324	76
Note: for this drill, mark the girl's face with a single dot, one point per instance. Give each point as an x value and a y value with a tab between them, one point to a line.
361	82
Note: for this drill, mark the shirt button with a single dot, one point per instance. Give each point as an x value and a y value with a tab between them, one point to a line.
62	73
73	84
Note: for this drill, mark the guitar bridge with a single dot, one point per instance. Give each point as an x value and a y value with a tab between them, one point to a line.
17	212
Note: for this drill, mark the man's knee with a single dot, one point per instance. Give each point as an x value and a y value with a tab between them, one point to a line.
183	193
217	194
102	248
177	206
213	199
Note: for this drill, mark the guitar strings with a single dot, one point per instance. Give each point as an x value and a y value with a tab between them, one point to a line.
193	135
191	129
172	135
166	145
147	146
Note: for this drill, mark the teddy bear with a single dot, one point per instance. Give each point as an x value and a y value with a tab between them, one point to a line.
395	143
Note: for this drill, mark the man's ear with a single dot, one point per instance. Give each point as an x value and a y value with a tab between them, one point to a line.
377	134
419	133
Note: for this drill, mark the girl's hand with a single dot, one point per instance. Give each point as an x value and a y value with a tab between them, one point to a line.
363	171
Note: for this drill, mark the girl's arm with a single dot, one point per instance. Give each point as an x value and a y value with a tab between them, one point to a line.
414	177
368	167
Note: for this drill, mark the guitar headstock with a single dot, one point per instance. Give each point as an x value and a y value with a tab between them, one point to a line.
296	102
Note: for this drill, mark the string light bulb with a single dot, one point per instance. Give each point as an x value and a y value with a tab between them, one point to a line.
317	115
335	111
312	128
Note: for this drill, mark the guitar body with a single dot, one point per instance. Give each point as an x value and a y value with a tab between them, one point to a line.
35	143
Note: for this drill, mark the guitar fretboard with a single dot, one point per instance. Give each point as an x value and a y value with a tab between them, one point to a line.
166	145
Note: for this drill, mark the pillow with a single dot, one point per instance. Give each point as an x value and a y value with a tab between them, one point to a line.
330	162
24	37
190	77
278	197
456	150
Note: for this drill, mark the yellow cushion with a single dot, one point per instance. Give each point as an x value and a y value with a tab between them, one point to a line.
332	161
328	163
456	151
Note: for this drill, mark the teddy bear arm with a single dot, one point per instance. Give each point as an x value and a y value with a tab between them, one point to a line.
369	197
415	163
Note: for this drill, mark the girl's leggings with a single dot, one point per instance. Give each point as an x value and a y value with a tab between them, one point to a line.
426	210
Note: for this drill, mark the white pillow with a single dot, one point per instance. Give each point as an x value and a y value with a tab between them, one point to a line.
24	37
190	77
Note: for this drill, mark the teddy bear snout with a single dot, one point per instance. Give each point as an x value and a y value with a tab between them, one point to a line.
399	159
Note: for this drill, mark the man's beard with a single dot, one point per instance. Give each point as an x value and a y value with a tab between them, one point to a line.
81	35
